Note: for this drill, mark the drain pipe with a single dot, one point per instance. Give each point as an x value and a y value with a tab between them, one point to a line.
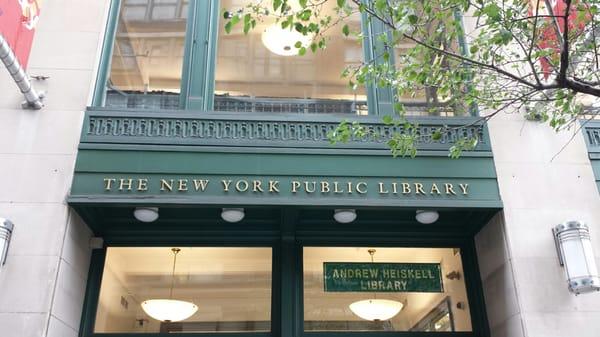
33	100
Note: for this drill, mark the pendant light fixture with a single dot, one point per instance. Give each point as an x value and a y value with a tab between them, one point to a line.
375	309
170	310
282	41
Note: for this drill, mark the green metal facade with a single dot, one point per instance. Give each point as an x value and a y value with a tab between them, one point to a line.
195	143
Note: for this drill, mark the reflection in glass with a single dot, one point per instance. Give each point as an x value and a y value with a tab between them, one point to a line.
148	54
425	100
252	78
327	309
230	286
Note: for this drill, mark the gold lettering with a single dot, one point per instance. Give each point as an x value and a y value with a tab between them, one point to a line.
226	184
419	188
449	189
405	188
382	190
256	186
142	184
336	189
395	188
182	185
349	187
314	187
464	188
164	185
325	187
274	186
362	190
200	184
125	184
241	185
108	183
295	185
434	189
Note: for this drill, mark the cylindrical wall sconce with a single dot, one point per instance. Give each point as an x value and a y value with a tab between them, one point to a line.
6	228
575	254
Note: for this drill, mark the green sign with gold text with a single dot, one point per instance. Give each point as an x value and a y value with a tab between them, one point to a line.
382	277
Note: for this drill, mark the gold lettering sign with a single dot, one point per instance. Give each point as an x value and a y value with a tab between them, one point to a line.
256	186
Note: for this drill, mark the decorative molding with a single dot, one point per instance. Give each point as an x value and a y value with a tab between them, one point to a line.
301	130
592	137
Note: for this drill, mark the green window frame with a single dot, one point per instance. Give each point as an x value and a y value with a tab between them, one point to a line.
198	73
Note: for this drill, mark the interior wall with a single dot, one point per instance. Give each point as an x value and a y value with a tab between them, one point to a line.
43	281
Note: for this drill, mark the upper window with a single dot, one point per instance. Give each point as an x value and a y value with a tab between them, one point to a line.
147	58
262	72
176	54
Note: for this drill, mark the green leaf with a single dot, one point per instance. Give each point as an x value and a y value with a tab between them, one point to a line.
492	10
302	3
413	19
305	15
235	19
388	120
302	51
346	30
277	4
341	3
298	44
228	27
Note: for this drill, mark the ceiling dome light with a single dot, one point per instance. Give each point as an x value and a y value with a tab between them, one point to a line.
166	310
169	310
427	217
232	214
146	214
281	41
376	309
344	215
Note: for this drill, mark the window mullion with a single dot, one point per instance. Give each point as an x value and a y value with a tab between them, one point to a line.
107	51
381	98
202	59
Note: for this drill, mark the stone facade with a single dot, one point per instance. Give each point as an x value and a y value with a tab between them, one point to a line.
43	281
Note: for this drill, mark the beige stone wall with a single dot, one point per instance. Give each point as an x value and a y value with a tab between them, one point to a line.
43	282
541	184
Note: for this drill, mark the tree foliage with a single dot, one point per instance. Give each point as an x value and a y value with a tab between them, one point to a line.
537	57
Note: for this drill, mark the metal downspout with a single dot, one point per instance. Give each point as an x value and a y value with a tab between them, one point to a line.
33	99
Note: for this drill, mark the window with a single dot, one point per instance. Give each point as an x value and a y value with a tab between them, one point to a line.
147	55
426	283
426	99
294	289
262	72
230	286
175	54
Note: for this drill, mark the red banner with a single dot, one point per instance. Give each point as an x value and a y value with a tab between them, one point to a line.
18	19
550	28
